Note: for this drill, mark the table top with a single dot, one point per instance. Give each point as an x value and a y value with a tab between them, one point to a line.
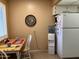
15	45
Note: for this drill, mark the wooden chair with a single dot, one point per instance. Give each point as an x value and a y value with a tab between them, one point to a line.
4	55
26	51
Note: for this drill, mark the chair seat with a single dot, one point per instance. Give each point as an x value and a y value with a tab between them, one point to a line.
26	49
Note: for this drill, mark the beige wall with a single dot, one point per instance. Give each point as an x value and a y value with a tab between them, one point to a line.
19	9
3	1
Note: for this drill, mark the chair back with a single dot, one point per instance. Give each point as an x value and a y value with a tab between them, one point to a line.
29	41
4	54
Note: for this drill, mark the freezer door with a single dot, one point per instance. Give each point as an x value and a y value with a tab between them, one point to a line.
71	43
71	20
60	20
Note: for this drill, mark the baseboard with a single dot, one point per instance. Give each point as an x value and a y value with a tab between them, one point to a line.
39	50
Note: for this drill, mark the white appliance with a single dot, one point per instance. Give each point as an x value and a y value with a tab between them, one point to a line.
51	43
67	31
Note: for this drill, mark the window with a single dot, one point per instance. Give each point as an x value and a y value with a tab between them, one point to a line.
3	24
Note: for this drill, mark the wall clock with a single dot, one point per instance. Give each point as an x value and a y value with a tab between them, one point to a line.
30	20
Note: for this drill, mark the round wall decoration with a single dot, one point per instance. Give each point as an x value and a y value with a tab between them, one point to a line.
30	20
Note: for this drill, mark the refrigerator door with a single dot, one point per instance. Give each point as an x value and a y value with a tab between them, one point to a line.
70	42
70	20
60	42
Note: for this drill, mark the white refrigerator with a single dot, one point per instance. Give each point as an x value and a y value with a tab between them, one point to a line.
67	30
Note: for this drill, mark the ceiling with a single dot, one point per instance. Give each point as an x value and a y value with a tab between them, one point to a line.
69	2
55	2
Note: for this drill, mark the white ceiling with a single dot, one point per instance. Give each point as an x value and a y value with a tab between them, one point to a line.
69	2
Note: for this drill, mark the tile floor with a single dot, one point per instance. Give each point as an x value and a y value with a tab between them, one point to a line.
38	55
43	55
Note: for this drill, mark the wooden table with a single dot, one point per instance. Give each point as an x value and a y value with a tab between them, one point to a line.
16	47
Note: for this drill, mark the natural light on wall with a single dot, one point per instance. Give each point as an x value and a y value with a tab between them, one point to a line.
30	6
3	24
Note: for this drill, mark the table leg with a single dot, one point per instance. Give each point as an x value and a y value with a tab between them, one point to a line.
18	55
